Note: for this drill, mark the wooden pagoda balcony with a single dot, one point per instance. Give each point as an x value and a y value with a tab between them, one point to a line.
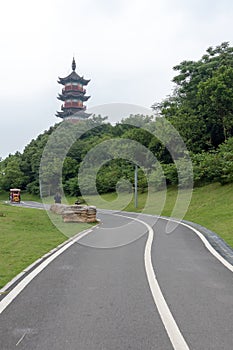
73	88
72	105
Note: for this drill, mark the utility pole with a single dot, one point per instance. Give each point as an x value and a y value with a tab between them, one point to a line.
136	186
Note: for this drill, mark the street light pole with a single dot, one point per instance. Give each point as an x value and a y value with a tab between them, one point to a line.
136	186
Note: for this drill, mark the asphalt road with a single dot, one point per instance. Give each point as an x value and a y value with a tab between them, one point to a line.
125	285
30	204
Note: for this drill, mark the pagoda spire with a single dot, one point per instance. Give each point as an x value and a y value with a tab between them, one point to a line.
73	64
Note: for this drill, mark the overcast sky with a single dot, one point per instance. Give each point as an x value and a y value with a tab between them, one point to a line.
126	47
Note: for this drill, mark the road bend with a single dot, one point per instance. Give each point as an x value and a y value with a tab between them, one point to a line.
126	285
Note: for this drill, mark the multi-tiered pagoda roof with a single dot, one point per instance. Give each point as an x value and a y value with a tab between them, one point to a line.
73	96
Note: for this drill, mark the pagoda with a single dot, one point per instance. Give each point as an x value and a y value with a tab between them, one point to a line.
73	96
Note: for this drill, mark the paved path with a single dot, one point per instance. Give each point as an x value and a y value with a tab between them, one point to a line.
125	286
31	204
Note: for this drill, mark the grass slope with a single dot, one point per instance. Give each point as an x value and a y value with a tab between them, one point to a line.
211	206
26	235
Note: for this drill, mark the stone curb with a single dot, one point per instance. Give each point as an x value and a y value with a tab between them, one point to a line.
217	242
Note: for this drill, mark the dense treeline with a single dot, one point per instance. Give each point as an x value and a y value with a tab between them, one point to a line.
22	170
200	108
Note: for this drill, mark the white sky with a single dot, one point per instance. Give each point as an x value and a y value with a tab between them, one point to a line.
126	47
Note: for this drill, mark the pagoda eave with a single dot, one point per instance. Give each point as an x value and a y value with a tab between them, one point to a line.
66	97
74	109
77	115
81	114
85	82
75	79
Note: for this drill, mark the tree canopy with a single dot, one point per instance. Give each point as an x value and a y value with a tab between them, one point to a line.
201	104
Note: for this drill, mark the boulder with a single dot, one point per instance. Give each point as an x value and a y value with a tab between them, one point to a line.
75	213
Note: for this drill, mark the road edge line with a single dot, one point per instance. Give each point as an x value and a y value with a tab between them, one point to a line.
204	240
208	245
9	297
202	237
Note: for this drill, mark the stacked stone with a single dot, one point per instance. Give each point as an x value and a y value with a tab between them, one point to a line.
75	213
58	208
91	214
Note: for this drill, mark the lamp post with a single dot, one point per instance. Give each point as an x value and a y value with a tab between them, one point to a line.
136	186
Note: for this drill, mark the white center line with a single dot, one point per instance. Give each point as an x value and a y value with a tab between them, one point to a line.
169	322
167	318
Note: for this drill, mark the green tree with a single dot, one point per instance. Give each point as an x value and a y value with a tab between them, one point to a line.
200	107
11	175
216	104
138	120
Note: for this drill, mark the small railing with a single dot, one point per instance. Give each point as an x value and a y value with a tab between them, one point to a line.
73	88
73	104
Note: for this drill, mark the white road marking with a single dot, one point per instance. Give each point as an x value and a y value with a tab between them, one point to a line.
201	236
7	287
207	245
167	318
22	284
165	314
20	339
204	240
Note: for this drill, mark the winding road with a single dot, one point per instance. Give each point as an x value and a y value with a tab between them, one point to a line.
125	284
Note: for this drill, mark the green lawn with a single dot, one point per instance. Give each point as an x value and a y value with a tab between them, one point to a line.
26	235
212	207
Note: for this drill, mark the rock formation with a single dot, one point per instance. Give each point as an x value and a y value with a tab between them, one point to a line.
75	213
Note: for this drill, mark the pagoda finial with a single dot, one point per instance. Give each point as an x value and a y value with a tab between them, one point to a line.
73	64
